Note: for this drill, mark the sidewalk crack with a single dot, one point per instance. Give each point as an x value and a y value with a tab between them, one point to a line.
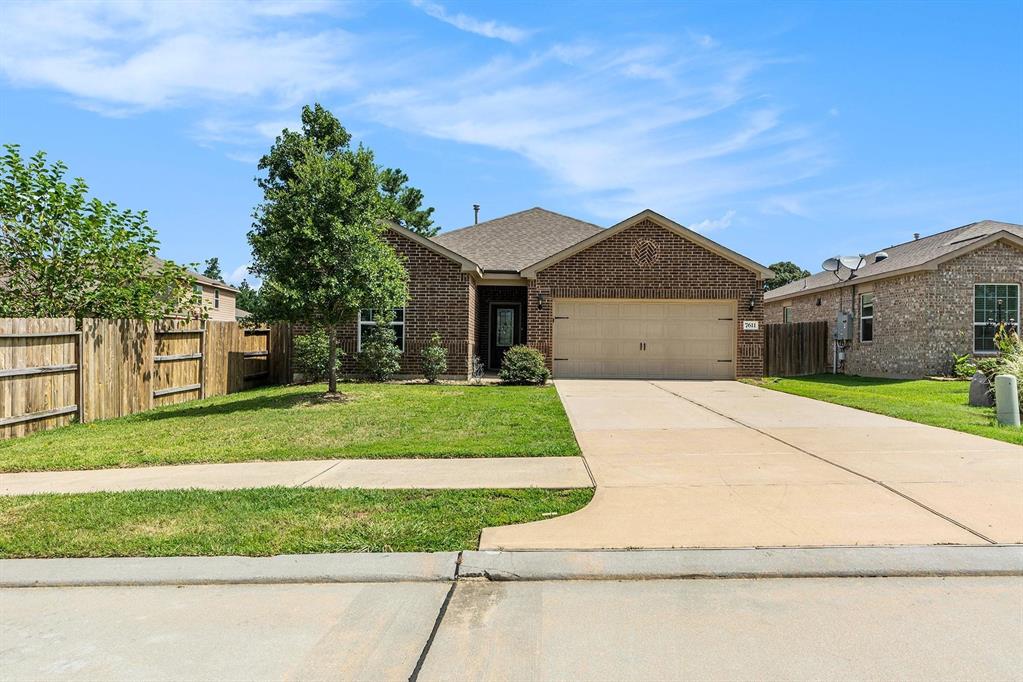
318	474
433	634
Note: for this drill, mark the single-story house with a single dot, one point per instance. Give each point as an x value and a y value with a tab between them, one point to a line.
913	305
646	298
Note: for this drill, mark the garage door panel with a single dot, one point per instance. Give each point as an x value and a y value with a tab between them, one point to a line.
682	339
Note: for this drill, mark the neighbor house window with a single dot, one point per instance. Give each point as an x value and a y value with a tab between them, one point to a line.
216	298
993	304
786	314
866	317
368	324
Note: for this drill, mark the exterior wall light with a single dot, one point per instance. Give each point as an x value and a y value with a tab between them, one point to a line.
752	301
540	298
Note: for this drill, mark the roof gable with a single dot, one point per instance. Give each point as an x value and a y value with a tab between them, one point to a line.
926	253
467	265
668	224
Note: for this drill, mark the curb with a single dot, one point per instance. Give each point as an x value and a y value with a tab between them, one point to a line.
797	562
293	568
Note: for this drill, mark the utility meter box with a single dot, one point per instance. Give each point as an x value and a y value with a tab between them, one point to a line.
843	327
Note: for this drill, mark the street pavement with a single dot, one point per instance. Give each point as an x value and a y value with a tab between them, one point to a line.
914	628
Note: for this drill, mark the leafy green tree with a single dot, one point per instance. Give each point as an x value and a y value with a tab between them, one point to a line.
63	254
785	272
403	204
316	236
247	297
212	269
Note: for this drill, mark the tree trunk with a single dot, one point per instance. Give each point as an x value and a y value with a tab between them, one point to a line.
332	359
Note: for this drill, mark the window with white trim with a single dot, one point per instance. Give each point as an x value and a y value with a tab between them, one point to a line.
993	304
368	323
216	298
866	317
786	314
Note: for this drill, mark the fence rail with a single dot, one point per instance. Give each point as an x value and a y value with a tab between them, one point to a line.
53	371
795	349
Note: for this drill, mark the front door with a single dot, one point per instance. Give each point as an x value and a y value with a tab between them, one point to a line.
504	331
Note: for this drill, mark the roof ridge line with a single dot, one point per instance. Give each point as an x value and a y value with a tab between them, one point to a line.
951	229
469	227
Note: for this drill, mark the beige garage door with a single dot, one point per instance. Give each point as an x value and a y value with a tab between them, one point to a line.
644	339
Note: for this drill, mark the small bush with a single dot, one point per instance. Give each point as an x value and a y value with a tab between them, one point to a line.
434	359
380	358
962	366
312	355
524	365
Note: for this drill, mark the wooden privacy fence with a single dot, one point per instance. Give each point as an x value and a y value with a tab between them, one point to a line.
52	372
796	349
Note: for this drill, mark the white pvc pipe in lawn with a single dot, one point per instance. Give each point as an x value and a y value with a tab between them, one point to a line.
1007	400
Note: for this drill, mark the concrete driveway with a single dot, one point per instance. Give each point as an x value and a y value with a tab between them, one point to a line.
725	464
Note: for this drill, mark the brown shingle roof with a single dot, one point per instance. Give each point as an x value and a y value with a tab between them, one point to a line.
515	241
908	255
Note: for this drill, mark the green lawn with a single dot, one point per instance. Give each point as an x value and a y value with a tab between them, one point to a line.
266	521
938	403
289	422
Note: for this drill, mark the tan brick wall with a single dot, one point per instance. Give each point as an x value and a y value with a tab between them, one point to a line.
920	319
683	270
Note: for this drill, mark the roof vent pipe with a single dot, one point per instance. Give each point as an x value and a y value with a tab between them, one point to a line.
475	214
880	256
916	235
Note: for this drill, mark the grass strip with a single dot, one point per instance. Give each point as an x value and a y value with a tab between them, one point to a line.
926	401
266	521
289	422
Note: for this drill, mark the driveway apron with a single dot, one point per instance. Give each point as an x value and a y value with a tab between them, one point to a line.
726	464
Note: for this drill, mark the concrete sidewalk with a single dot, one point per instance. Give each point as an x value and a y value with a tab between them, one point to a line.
725	464
453	473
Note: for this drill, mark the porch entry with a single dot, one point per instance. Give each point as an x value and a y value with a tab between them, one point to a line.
505	331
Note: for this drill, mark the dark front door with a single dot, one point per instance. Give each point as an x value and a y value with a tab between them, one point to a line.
505	326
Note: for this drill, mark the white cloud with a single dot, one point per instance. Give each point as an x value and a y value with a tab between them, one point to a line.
239	273
463	22
119	58
711	224
680	126
675	129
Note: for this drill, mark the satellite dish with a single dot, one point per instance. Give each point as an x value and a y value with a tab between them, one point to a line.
853	263
831	265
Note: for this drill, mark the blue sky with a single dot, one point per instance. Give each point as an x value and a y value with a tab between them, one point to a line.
784	131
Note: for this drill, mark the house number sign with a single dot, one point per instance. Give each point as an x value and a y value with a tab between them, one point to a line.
750	325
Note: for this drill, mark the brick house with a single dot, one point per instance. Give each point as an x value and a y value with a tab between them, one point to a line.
645	298
915	304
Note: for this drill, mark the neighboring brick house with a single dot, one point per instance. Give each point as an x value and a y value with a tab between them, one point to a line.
915	304
646	298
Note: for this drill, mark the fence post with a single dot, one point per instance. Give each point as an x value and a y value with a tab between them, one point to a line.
80	375
202	361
